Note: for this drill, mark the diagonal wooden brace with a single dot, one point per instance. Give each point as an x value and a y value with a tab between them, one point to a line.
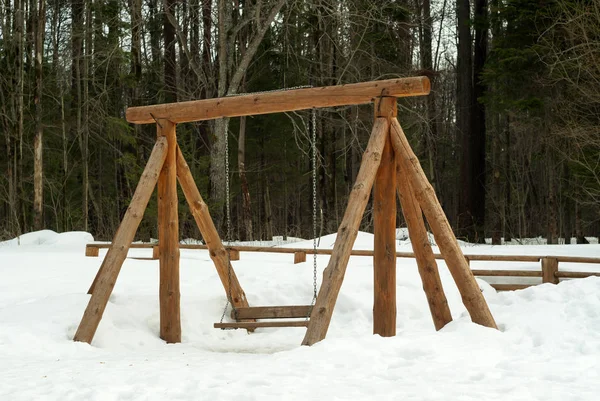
333	275
444	237
217	252
111	266
428	270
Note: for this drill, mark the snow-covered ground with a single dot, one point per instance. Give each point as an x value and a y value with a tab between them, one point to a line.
548	346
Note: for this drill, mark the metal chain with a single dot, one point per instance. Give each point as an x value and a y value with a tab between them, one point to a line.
228	234
227	190
228	210
314	205
228	294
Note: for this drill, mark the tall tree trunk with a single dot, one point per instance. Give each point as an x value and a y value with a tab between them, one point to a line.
508	216
77	32
229	80
464	105
246	204
170	63
478	147
20	82
38	183
497	193
428	69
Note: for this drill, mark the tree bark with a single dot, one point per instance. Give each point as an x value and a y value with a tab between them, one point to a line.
38	177
477	142
246	204
229	84
464	108
170	64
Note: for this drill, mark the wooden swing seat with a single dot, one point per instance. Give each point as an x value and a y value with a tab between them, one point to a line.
246	315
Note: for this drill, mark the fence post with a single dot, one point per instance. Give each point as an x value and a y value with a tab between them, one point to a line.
549	269
234	254
299	257
92	250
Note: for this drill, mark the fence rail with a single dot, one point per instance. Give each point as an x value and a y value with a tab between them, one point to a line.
549	272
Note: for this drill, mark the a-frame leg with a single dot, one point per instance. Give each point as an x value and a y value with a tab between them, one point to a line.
217	252
428	270
111	266
168	238
384	229
444	237
333	275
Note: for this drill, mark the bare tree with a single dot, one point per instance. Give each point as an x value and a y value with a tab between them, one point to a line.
38	198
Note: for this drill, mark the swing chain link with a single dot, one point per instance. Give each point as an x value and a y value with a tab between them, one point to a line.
314	205
228	234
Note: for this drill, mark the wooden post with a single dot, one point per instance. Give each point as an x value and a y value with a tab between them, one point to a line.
444	237
92	250
234	254
299	257
428	269
155	252
168	238
111	266
549	270
217	252
384	223
333	275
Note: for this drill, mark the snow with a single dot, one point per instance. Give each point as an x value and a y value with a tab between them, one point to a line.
548	346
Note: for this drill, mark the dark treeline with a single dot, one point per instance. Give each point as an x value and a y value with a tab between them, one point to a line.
509	137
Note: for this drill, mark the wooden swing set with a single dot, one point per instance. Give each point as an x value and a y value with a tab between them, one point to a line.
389	167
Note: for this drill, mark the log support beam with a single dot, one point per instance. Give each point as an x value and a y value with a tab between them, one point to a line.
168	238
217	251
280	101
444	237
428	270
384	227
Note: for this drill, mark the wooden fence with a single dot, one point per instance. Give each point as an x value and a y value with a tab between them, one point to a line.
549	272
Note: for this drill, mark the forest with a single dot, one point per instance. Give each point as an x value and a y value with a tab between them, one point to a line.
509	136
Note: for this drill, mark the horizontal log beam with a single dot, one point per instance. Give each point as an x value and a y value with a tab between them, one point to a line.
507	273
278	102
576	274
365	252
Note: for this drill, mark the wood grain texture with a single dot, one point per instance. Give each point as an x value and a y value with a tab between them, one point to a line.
299	257
576	274
507	273
444	237
111	266
256	325
549	270
384	229
234	254
272	312
217	251
277	102
92	251
168	238
333	275
428	269
510	287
